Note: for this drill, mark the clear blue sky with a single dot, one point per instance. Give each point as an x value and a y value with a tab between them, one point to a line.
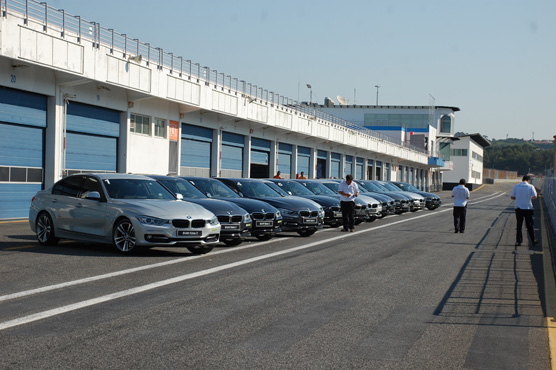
494	59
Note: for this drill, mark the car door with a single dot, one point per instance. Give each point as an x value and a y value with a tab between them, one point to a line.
90	214
63	202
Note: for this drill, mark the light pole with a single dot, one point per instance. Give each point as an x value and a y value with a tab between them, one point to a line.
310	94
377	86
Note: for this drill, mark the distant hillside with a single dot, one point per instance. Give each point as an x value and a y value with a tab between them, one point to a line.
519	155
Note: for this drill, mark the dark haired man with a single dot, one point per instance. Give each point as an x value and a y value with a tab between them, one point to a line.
348	191
460	194
523	193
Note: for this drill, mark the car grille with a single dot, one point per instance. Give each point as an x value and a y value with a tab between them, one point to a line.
224	219
262	216
309	213
198	223
374	205
335	209
182	224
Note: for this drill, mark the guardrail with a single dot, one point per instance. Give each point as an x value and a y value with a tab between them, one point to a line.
547	188
80	30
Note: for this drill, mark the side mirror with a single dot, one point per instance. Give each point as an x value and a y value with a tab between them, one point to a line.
179	196
93	195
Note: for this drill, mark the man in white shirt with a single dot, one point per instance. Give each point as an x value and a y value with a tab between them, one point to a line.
460	194
523	193
348	191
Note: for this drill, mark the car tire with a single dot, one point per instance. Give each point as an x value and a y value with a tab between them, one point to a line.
306	233
233	242
45	230
123	236
371	219
263	237
199	249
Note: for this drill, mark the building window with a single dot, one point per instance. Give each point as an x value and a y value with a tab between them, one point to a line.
160	128
446	124
140	124
476	175
477	156
459	152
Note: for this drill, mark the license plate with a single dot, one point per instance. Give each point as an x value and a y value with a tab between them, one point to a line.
230	227
264	223
188	233
337	214
311	221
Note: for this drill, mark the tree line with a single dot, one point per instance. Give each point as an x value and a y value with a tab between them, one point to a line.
519	155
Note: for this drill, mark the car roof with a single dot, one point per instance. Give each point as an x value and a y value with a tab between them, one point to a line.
111	176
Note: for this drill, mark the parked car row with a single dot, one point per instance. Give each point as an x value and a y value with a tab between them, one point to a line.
133	211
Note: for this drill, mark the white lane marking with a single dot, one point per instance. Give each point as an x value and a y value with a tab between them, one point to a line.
25	293
87	303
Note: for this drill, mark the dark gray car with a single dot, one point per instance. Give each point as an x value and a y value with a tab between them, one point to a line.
300	215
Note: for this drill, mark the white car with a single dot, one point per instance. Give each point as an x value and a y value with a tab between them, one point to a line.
128	211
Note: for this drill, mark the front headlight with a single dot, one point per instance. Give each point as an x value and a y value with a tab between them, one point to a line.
321	213
151	221
278	215
247	218
214	221
287	212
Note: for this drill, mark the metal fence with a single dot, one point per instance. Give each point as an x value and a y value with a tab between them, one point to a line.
547	186
76	29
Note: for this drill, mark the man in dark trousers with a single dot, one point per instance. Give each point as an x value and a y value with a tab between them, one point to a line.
460	194
348	191
523	193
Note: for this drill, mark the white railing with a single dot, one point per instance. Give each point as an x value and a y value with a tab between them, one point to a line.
80	30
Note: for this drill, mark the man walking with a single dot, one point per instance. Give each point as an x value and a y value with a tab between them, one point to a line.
460	194
348	191
523	193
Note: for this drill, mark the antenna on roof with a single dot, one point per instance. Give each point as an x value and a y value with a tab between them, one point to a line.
342	100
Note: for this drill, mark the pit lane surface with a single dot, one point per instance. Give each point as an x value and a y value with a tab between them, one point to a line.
401	292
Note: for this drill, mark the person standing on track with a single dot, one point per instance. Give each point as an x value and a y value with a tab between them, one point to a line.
348	191
523	193
460	194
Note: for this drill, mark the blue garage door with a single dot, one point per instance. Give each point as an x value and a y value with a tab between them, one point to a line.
335	159
303	159
349	165
92	138
285	152
232	151
22	124
196	146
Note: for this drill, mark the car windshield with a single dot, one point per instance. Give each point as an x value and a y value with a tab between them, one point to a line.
276	188
375	187
256	189
362	187
406	186
390	187
184	188
317	188
332	186
214	188
294	188
136	189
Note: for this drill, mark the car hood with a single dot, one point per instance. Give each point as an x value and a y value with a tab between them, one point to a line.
324	200
380	197
427	195
292	203
412	194
165	209
218	206
251	205
367	198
